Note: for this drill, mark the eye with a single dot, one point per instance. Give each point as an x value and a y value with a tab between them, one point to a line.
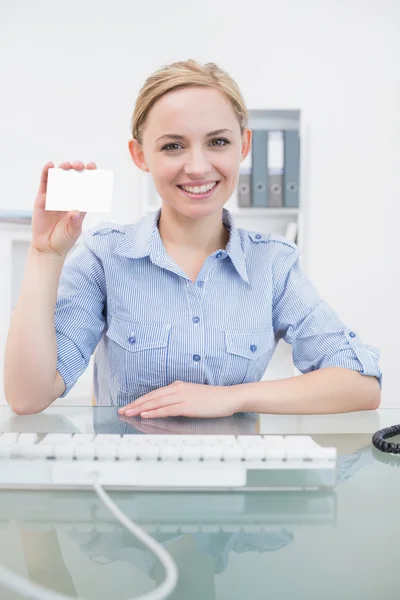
169	147
224	140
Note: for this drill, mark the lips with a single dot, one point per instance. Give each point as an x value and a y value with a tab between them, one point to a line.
199	196
189	187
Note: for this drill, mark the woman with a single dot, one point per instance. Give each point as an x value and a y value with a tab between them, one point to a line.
184	308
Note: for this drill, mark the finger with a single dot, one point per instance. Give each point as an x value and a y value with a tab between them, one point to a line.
131	405
44	176
65	165
78	165
76	217
139	401
91	165
136	410
160	413
152	404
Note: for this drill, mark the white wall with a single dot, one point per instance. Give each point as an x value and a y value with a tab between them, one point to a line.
70	74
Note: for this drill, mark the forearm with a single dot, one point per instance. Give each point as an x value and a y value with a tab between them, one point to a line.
31	347
330	390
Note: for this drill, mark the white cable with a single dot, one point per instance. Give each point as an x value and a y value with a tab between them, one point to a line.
34	591
171	576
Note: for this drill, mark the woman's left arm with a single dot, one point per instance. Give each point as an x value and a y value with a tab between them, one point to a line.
330	390
340	373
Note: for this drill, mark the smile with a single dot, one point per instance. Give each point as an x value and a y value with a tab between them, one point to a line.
203	191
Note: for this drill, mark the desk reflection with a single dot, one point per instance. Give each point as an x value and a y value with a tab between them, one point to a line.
107	420
202	531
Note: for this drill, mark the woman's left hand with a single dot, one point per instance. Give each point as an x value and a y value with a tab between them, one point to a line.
187	400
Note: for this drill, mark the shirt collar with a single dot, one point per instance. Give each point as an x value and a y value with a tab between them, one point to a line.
143	239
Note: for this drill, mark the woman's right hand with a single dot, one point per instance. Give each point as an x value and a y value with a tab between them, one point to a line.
53	231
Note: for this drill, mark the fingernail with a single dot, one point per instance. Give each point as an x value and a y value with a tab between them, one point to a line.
76	217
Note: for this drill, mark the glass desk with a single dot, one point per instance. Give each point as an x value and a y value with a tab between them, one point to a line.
336	545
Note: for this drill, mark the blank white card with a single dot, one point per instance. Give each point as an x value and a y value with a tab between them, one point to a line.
89	190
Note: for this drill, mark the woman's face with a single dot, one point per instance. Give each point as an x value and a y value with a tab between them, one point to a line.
192	139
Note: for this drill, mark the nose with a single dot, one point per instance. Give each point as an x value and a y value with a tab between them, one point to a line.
197	164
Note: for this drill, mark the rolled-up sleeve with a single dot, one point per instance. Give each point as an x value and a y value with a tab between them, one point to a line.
79	314
318	337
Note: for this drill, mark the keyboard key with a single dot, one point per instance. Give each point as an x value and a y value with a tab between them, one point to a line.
107	438
171	451
127	451
27	438
82	438
275	453
212	452
105	451
14	445
191	452
254	452
8	438
294	452
84	451
249	440
233	452
64	451
41	450
274	440
57	438
149	452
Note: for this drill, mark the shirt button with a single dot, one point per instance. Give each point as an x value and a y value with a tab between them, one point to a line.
200	283
196	357
196	319
218	255
253	347
352	334
258	236
132	340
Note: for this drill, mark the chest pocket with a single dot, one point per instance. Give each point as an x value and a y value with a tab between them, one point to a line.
138	354
248	353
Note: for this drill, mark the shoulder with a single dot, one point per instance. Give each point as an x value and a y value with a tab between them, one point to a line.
268	252
269	243
105	235
257	237
107	229
97	242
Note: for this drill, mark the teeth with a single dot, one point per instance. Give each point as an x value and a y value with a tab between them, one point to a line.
199	190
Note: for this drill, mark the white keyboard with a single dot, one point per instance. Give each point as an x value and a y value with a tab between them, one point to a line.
61	460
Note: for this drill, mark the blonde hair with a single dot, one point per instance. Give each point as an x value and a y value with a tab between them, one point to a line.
180	75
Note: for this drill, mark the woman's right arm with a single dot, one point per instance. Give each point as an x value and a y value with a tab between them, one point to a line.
31	380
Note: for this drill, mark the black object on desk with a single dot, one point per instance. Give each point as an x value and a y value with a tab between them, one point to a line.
379	439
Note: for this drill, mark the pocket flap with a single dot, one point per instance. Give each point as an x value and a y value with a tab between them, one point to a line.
249	344
135	336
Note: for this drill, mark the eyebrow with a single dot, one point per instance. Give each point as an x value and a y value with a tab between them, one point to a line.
175	136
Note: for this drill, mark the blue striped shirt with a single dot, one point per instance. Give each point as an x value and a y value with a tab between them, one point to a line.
121	294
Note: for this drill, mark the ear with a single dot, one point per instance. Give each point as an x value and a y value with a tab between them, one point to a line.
246	143
136	152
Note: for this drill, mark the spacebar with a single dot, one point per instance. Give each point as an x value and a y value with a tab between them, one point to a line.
146	473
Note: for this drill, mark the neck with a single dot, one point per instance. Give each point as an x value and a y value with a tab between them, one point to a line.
203	235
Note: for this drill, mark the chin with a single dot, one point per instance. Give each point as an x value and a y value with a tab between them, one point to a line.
199	210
